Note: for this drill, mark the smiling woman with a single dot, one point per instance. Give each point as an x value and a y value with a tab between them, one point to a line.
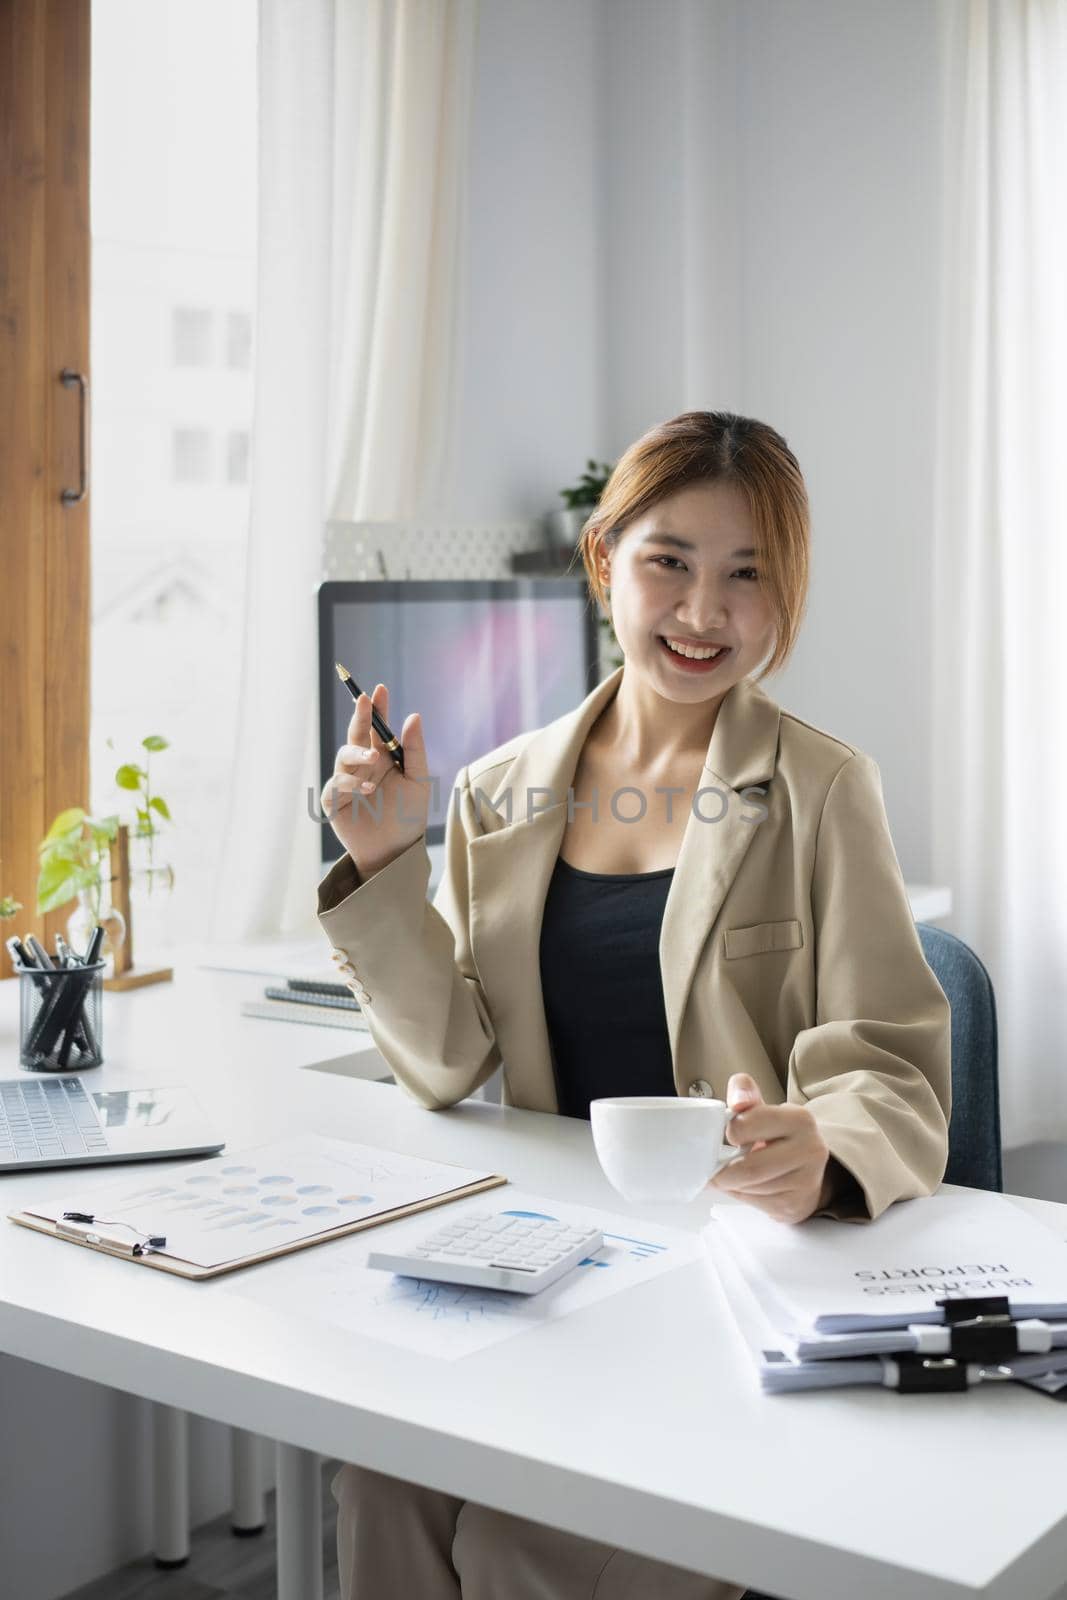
717	487
764	954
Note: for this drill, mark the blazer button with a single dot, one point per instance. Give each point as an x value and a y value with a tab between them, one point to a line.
701	1090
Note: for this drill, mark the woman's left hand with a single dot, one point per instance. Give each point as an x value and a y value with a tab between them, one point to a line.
784	1172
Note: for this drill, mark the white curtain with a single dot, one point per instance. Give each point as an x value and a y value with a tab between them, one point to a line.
364	112
1000	648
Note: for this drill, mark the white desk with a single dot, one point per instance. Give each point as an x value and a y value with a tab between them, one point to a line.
69	1427
635	1421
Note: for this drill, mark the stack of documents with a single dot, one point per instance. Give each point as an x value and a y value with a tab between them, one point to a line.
937	1294
332	1005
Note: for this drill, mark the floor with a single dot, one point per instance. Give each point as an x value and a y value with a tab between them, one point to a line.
220	1567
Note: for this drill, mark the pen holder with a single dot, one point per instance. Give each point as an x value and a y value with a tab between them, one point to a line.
61	1018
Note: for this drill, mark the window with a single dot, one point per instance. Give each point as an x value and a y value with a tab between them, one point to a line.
191	455
192	336
239	340
173	316
237	457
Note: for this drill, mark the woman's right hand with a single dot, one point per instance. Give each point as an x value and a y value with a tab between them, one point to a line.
375	810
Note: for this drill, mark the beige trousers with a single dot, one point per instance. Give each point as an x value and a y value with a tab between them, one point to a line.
396	1541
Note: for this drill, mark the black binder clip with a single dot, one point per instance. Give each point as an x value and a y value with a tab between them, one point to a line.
918	1374
981	1330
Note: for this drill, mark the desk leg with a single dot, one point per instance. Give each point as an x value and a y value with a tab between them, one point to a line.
248	1515
170	1449
299	1512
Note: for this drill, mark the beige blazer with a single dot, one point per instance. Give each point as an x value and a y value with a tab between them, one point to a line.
787	949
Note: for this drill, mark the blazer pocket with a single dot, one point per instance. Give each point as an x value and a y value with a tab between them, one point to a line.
763	936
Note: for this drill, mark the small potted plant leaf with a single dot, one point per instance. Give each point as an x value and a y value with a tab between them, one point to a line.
562	527
75	864
151	809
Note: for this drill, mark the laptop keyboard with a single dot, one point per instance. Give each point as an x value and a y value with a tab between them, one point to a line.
52	1118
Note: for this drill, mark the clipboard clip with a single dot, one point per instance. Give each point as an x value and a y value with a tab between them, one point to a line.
83	1225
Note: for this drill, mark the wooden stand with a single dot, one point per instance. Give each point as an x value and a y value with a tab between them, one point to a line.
126	974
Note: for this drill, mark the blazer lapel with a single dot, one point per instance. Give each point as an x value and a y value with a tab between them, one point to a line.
511	866
509	877
741	754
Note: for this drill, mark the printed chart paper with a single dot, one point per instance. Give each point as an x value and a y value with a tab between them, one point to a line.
450	1321
245	1202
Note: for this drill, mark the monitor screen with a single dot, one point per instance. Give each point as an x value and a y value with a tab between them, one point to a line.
480	660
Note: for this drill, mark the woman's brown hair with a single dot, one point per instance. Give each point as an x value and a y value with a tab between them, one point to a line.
716	447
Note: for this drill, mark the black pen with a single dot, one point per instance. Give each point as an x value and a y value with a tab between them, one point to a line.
39	953
75	1026
381	727
67	1015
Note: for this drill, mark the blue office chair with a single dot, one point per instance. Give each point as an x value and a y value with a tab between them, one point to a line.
974	1154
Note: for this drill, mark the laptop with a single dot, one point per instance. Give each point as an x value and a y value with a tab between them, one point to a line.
57	1122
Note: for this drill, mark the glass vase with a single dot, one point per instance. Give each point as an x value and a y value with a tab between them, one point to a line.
151	904
83	920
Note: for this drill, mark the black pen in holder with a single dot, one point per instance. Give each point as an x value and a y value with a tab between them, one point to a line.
61	1018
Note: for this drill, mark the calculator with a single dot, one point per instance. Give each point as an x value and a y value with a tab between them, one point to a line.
495	1250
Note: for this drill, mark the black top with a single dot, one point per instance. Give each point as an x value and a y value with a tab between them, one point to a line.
600	979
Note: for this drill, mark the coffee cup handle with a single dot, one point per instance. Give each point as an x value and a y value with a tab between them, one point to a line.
729	1153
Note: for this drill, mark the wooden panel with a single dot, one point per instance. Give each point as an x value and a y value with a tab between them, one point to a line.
23	382
44	307
67	574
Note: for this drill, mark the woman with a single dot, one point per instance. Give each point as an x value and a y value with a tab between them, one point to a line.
711	905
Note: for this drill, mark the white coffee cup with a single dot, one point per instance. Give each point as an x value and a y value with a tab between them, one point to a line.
660	1148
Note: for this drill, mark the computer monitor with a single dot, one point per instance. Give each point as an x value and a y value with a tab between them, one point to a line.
482	660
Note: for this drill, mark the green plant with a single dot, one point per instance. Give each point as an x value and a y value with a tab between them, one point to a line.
590	486
9	906
150	807
73	856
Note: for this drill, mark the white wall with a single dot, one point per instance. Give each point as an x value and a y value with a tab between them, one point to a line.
725	206
530	401
839	154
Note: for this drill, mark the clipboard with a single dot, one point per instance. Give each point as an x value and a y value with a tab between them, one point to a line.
161	1261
